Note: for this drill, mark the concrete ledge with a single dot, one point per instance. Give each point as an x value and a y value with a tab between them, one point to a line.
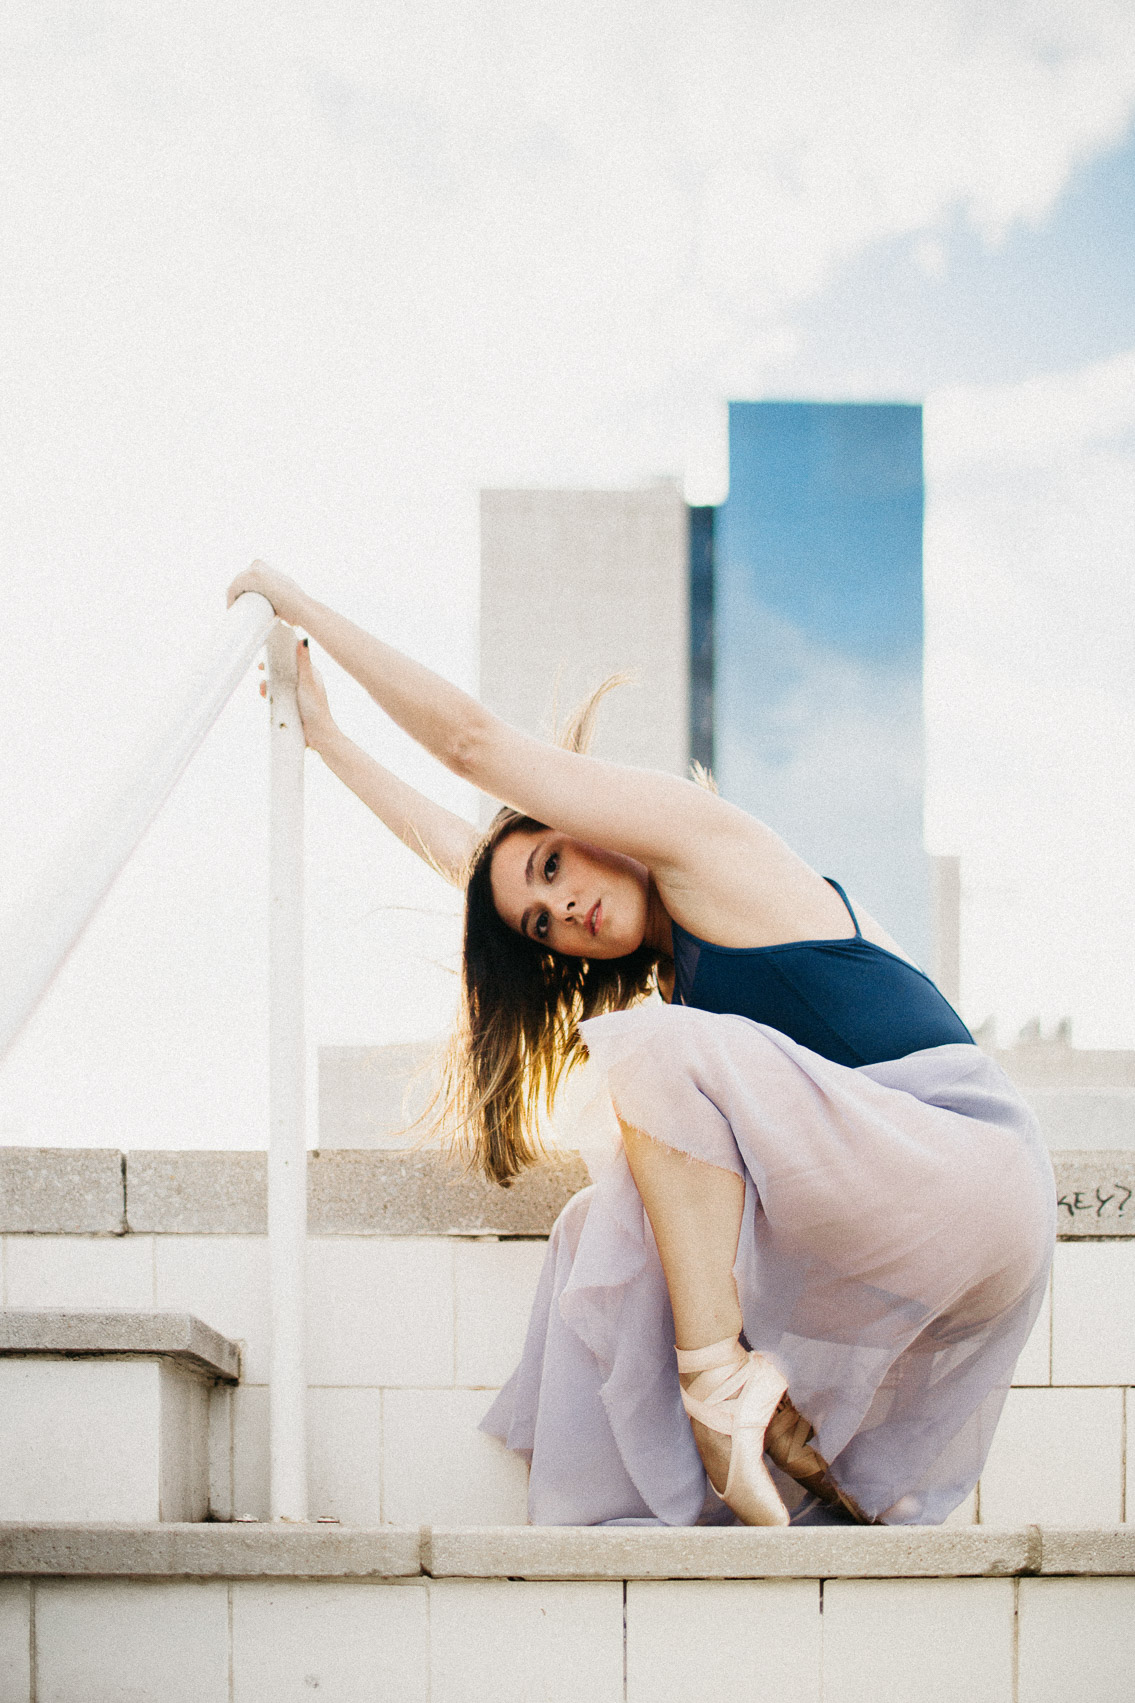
1098	1552
730	1552
211	1194
350	1192
62	1191
557	1552
212	1551
174	1336
423	1194
372	1192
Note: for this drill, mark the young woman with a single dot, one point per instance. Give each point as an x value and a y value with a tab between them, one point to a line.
830	1202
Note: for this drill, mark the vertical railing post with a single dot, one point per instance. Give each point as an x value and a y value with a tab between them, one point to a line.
287	1144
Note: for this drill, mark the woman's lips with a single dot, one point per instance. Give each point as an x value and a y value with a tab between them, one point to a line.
595	916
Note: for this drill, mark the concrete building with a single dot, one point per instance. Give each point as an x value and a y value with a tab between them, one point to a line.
579	585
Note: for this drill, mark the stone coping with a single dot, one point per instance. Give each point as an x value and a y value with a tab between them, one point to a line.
172	1336
210	1551
373	1192
245	1550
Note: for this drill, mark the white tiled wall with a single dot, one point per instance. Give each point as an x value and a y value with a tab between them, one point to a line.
410	1337
1075	1640
440	1470
731	1640
103	1639
81	1272
493	1283
988	1640
504	1641
1057	1459
380	1312
1093	1319
344	1430
934	1640
356	1643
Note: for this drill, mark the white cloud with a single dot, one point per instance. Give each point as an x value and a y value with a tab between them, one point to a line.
1039	423
1030	552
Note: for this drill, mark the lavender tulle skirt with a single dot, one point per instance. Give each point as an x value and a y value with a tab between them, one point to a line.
898	1229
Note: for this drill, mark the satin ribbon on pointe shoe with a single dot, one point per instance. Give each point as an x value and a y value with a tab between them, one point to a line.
736	1393
788	1443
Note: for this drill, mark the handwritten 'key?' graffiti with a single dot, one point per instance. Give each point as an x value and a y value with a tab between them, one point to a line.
1095	1194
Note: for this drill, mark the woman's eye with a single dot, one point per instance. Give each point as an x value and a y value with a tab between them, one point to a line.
541	929
551	864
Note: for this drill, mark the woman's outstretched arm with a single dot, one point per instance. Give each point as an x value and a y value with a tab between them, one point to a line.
445	841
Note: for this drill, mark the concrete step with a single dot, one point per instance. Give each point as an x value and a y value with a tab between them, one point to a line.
186	1613
106	1415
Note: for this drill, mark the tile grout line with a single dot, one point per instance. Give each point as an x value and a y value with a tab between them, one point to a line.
33	1654
1123	1416
624	1641
453	1291
232	1664
3	1271
1015	1641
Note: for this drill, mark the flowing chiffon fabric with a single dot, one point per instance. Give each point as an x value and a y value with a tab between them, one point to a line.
898	1228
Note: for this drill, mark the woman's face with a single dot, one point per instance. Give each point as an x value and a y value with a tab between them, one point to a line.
570	896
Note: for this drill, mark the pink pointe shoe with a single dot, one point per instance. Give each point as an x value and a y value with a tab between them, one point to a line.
737	1394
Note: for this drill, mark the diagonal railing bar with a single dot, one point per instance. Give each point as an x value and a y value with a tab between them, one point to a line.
76	879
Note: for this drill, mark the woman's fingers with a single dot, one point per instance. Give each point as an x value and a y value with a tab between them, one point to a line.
311	695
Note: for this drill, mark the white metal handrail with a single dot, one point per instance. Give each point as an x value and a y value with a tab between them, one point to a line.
287	1099
40	936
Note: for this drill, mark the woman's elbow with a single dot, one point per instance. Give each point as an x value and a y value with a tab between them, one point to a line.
467	752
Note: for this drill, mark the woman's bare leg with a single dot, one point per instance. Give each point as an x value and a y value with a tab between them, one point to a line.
695	1213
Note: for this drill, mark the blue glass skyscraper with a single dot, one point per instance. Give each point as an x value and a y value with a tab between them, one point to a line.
817	643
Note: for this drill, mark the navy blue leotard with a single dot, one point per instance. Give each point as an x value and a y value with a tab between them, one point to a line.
849	1000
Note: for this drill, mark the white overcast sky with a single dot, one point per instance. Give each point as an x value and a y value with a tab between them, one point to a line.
297	280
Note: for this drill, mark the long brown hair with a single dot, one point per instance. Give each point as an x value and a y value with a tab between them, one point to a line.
521	1007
